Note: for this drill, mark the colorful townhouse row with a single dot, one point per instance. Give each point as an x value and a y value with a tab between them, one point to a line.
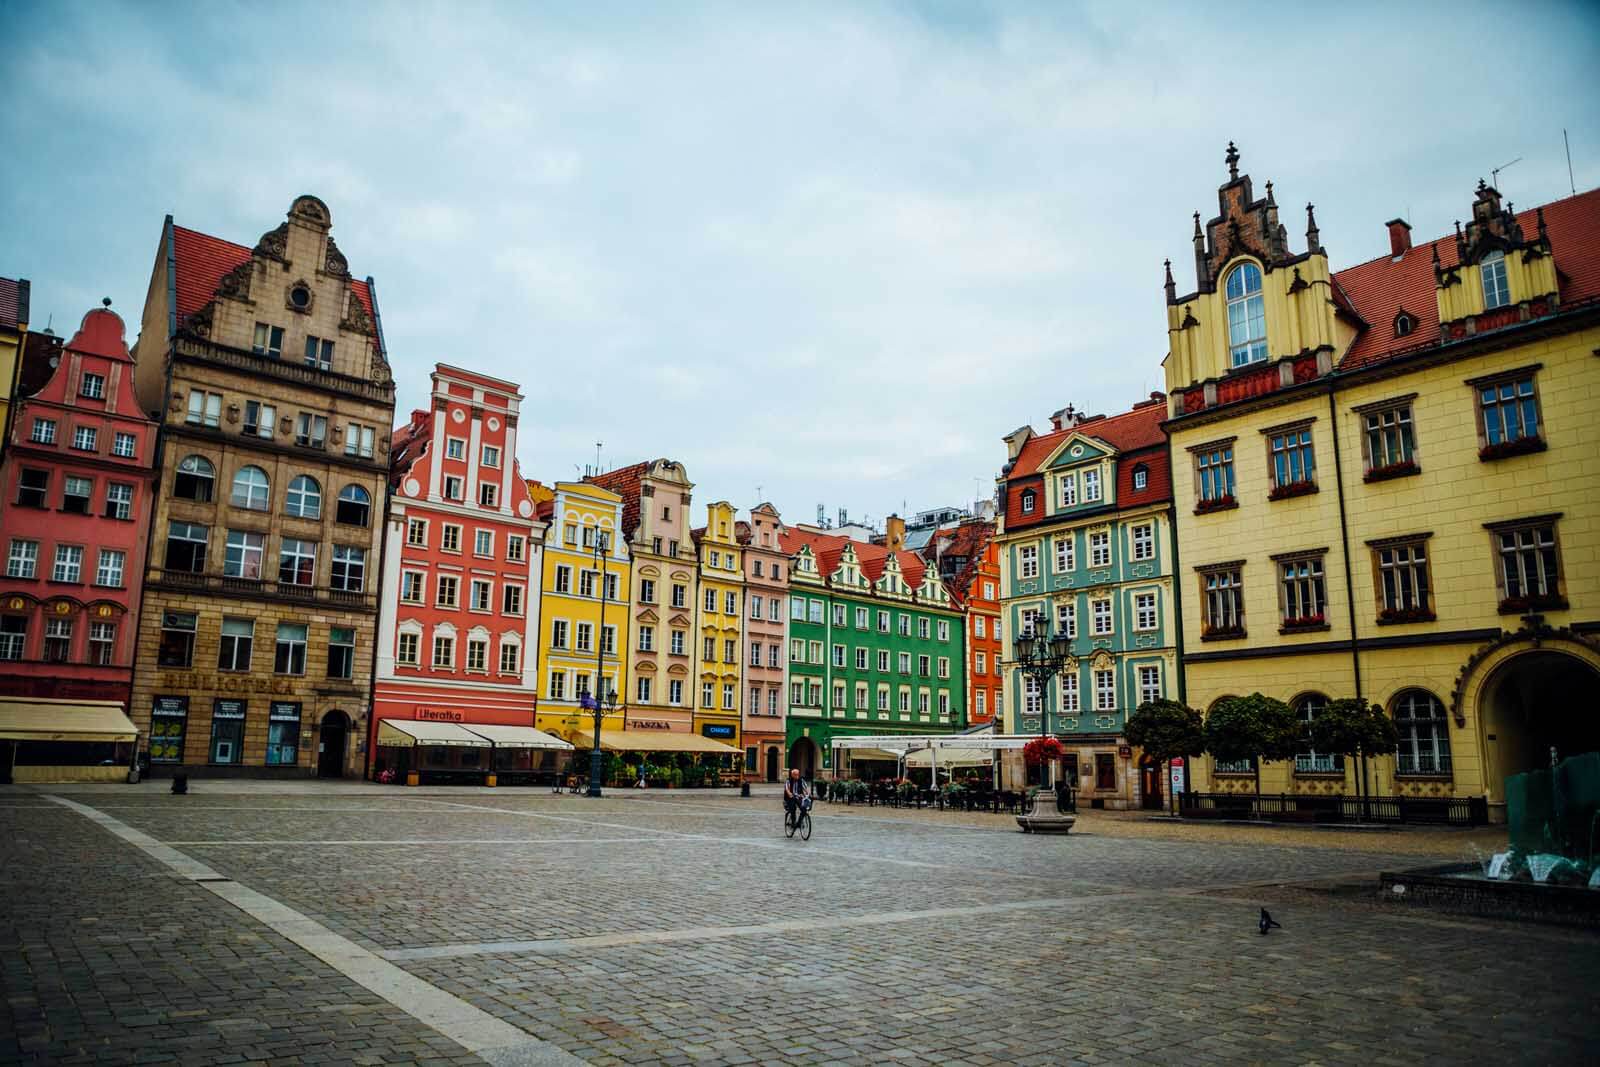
1375	482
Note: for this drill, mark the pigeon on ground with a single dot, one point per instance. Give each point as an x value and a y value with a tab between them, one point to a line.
1268	922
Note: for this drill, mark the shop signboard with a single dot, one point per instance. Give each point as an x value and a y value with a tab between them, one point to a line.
717	729
169	716
1177	775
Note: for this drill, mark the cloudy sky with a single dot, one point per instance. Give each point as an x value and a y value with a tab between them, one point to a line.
820	253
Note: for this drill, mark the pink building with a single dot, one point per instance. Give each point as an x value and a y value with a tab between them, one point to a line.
766	576
77	480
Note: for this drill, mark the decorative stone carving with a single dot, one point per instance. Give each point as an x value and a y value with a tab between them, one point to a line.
199	324
236	283
274	243
334	262
356	319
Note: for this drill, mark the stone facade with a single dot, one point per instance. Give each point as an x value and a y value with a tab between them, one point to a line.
268	370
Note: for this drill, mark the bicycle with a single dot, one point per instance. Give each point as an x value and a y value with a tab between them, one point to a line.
798	819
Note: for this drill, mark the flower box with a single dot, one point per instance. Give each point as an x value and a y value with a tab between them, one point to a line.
1521	605
1393	470
1522	446
1397	616
1305	622
1216	503
1217	633
1291	489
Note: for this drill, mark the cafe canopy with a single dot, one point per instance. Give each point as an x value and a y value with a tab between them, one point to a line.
974	748
663	741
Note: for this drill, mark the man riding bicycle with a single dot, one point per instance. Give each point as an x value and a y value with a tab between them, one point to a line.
796	794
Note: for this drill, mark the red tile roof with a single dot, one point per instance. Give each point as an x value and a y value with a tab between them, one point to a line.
624	481
829	549
202	260
1381	288
1136	435
1135	429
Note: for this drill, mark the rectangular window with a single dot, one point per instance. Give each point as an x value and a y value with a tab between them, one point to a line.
583	634
481	594
711	600
757	606
482	543
283	734
708	694
205	409
838	615
319	353
258	419
903	662
13	636
411	586
1214	475
1067	489
1529	572
102	643
448	593
924	628
558	633
1390	441
238	638
980	704
1144	541
775	609
1404	587
1144	611
1496	290
1028	561
979	626
268	341
186	547
675	693
341	652
310	431
923	663
1026	617
1304	595
814	611
642	689
1508	413
676	645
730	603
75	494
944	666
861	659
489	495
406	653
608	640
774	652
477	655
1222	594
1291	460
647	638
450	537
1149	684
119	501
454	487
1100	548
1100	615
1069	693
883	698
44	432
727	696
491	456
1031	699
1067	618
516	547
980	663
511	600
125	445
1105	690
883	622
558	685
1105	770
417	532
93	386
863	619
85	438
23	560
297	562
563	579
444	652
69	564
108	571
349	572
244	555
456	448
33	487
680	595
1091	485
1065	555
289	656
57	640
903	624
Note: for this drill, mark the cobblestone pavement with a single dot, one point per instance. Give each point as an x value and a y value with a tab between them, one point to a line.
684	928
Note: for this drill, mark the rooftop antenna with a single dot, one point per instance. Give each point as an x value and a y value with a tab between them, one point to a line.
1494	174
1571	186
598	445
759	497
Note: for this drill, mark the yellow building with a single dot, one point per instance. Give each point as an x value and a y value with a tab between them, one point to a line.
584	608
721	595
1384	481
14	299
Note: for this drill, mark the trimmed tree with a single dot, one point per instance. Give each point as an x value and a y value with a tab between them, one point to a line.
1255	727
1354	728
1166	730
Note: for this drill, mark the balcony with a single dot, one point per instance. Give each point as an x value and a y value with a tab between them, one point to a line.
1423	764
192	349
1319	764
260	589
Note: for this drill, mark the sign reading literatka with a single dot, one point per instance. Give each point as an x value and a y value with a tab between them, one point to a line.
439	715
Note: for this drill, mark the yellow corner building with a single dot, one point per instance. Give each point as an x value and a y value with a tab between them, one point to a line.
1385	485
584	608
721	599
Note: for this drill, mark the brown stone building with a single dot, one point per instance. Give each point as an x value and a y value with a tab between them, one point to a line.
267	369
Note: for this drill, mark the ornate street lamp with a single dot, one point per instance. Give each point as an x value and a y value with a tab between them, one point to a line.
1042	657
603	697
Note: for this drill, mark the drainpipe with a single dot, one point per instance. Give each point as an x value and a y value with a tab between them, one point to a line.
1177	630
1349	582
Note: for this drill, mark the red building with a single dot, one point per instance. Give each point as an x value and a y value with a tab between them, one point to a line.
455	688
77	479
969	562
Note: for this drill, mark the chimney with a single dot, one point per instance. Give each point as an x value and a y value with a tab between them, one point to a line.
894	533
1399	237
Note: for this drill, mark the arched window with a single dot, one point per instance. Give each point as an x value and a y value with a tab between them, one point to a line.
1242	766
251	489
1247	316
194	479
1496	292
1424	733
1404	324
1309	760
354	506
305	498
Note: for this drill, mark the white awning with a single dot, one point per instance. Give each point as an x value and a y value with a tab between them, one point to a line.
45	719
862	752
516	736
952	757
916	742
408	732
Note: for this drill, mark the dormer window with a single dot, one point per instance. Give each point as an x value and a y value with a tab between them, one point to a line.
1141	477
1027	502
1404	324
1247	316
1496	292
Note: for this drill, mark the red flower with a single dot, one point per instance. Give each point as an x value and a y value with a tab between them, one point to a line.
1042	750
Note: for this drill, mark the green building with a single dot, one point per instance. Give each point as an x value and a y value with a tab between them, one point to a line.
876	646
1085	545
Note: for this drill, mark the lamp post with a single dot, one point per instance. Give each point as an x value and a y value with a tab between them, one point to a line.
602	695
1042	657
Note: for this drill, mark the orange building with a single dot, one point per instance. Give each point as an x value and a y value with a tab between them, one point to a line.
969	562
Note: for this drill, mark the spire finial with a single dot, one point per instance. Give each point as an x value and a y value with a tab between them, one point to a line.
1233	162
1269	195
1197	224
105	301
1171	286
1313	235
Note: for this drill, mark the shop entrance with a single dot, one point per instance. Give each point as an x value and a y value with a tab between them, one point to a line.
772	765
1537	707
803	754
332	740
1150	783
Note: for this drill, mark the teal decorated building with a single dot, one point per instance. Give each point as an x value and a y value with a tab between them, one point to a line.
876	646
1086	546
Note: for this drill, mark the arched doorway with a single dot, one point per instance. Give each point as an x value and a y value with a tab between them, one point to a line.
772	764
334	736
1540	704
803	754
1150	782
